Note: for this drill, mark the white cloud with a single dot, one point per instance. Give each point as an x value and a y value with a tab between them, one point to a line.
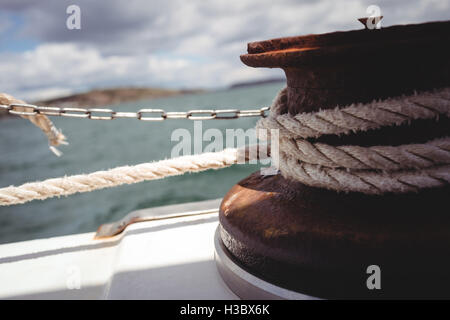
52	69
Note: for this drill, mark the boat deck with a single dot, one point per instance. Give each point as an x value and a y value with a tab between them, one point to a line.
161	259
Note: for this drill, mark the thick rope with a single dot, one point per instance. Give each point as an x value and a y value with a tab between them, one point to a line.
356	117
409	156
118	176
370	170
368	182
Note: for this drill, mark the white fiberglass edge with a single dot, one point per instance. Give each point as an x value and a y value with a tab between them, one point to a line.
164	259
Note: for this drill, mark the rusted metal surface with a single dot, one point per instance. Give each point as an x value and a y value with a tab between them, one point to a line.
341	68
374	21
271	53
320	242
243	283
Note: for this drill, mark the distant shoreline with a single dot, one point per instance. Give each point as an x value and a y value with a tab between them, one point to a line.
256	83
103	97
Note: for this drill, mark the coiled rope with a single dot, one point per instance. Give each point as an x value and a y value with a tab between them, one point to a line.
370	170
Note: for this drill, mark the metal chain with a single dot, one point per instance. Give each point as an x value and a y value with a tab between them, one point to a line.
142	114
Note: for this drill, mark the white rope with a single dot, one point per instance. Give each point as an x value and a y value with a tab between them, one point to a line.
356	117
370	170
118	176
408	156
365	181
55	136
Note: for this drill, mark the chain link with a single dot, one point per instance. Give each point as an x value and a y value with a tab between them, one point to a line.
142	114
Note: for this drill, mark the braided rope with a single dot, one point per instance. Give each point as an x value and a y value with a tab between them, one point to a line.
370	170
365	181
388	158
55	136
118	176
357	117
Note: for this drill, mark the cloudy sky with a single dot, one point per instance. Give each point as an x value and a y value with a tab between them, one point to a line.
169	43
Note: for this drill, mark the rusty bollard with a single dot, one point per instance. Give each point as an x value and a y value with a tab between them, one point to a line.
321	242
